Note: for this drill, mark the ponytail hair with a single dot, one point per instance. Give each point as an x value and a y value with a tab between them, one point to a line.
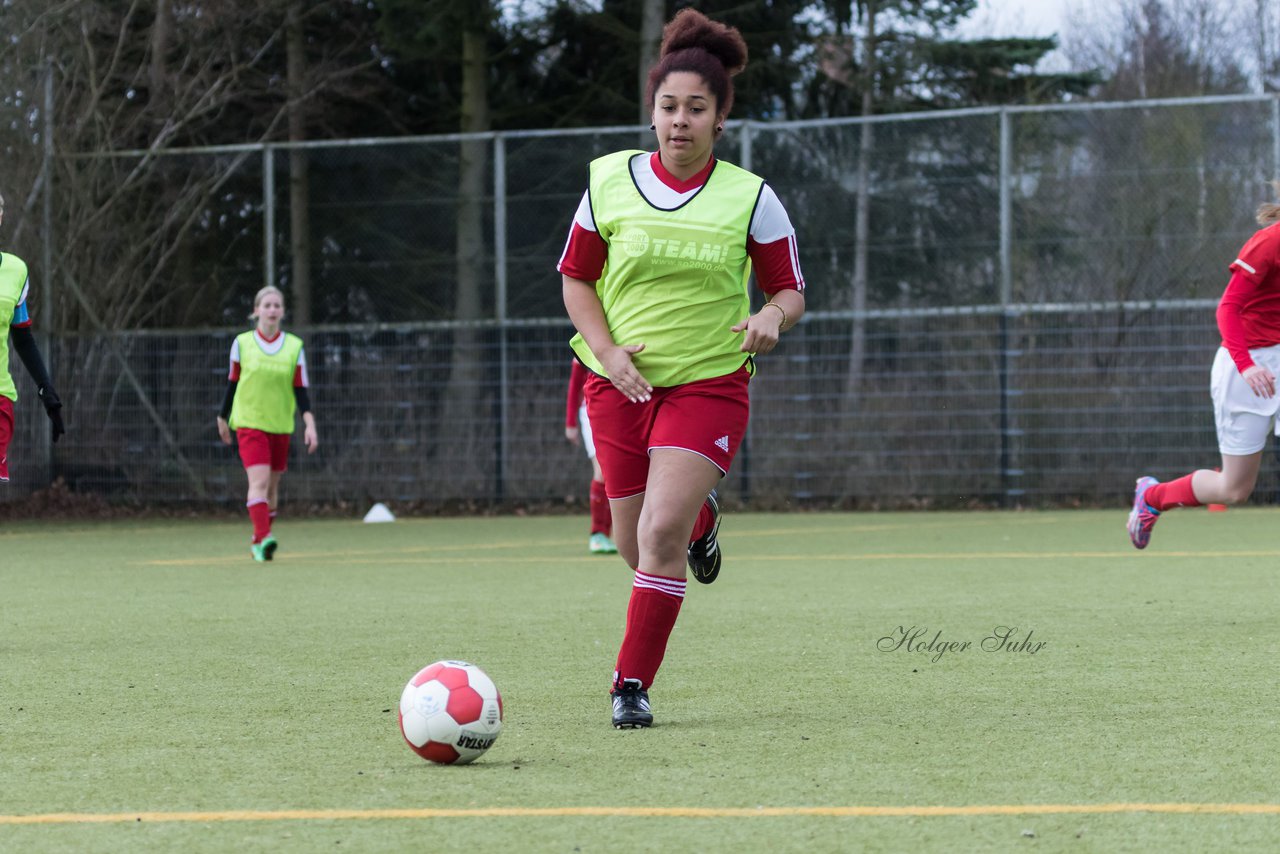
694	43
1269	213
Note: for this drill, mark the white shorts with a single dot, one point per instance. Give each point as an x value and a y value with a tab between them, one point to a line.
1244	420
584	429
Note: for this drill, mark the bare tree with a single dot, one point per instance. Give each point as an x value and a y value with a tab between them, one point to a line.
1158	48
299	171
163	238
1261	27
158	78
465	380
650	38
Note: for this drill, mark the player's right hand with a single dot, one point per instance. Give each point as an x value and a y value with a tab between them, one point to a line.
623	374
1261	380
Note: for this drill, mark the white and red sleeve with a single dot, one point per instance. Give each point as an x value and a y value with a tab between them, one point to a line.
771	244
585	252
300	378
233	374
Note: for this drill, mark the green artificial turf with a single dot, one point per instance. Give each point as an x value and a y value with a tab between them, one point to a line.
152	667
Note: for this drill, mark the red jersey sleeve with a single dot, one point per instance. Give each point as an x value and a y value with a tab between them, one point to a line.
577	378
1240	291
776	265
1257	258
584	254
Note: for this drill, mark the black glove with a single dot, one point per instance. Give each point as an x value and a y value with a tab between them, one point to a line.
53	408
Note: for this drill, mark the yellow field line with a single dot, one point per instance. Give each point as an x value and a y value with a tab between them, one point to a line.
642	812
1119	553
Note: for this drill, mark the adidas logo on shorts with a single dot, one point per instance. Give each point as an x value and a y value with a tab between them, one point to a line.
723	443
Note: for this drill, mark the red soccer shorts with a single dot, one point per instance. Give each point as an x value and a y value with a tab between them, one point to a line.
707	417
263	449
6	434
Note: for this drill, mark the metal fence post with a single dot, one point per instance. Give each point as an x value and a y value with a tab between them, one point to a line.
500	307
744	466
1009	488
268	215
1006	209
46	249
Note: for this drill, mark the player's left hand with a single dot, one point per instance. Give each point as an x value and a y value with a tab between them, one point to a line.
52	408
762	331
309	439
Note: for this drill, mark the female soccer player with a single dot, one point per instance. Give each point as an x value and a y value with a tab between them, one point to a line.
14	285
1242	384
655	281
577	429
267	382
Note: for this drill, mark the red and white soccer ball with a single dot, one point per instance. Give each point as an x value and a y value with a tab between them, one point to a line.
450	712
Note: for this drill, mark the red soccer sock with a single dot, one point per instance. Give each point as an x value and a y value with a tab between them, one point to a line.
601	517
703	523
651	615
260	515
1175	493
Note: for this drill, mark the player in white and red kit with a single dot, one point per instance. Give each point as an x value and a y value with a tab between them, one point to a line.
1242	385
266	385
655	279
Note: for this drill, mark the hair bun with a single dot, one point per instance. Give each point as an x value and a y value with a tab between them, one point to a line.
691	29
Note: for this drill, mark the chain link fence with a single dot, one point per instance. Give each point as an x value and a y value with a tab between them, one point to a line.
955	409
1038	320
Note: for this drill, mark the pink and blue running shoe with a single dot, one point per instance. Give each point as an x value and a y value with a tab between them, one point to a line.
1142	518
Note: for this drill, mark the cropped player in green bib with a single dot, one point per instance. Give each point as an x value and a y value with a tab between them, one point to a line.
267	383
655	278
16	321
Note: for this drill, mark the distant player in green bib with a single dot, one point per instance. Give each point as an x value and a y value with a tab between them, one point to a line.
655	275
16	320
266	385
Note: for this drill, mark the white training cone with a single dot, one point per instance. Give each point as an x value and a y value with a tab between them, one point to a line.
379	513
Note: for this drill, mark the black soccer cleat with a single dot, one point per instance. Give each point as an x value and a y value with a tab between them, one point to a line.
631	706
704	552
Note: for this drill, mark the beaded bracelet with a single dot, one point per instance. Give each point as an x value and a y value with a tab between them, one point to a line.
783	324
